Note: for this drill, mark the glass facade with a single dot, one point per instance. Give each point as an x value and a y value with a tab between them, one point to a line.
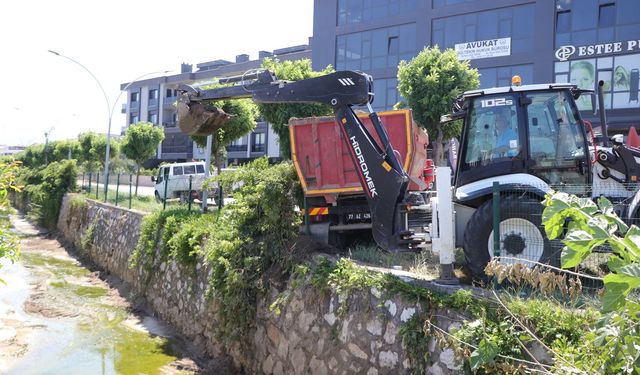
598	40
441	3
578	41
386	94
501	76
619	73
581	22
356	11
514	22
376	49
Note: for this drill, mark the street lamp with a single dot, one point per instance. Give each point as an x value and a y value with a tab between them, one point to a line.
110	110
46	143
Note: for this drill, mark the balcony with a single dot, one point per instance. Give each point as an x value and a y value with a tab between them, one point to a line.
236	148
176	149
169	124
153	103
258	148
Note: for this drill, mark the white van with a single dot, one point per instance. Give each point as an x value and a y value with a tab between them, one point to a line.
177	175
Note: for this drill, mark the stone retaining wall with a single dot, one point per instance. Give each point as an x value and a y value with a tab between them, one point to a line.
310	335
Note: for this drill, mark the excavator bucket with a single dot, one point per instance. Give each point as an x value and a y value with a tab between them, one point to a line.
196	118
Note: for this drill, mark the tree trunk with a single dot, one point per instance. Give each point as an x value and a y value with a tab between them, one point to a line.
137	178
217	157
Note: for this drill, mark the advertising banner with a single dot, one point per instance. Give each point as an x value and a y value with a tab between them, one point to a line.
483	49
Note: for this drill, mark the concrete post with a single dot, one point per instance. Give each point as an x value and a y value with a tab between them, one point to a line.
443	226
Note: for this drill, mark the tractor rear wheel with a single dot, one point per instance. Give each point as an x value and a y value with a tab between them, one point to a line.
522	236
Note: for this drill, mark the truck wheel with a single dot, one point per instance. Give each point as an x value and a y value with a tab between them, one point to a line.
521	235
337	239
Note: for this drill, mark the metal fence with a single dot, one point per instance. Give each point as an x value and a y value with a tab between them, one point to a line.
517	227
120	191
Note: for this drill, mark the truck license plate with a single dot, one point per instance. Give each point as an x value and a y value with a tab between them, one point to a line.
359	216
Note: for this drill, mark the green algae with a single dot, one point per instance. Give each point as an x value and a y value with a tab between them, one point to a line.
97	338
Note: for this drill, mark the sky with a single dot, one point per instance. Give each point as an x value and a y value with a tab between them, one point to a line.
118	41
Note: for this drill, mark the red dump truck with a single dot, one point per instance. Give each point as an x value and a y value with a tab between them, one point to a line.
334	198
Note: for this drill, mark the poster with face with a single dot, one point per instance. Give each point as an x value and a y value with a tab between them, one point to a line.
583	75
626	81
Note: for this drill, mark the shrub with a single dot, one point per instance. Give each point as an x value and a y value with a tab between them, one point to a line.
248	242
45	187
9	242
252	242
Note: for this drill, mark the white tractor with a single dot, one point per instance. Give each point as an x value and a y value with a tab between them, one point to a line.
528	140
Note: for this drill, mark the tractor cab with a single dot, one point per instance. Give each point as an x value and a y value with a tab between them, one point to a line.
524	135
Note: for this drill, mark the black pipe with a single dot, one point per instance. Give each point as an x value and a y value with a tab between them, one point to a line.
603	114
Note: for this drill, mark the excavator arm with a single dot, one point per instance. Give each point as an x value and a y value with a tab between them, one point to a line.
381	175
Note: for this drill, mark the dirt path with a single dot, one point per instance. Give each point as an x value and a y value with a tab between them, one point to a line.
55	314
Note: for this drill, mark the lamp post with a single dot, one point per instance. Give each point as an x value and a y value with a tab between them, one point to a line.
46	143
110	110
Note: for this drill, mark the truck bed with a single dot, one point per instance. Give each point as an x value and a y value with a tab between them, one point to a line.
322	158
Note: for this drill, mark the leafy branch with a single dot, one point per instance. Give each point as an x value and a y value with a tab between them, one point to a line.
590	225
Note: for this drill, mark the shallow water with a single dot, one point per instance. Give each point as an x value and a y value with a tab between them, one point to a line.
72	327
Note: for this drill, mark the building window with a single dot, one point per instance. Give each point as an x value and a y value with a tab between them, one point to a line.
171	93
593	22
134	119
441	3
386	94
606	16
238	145
501	76
356	11
153	94
257	142
153	118
135	96
563	21
392	45
376	49
514	22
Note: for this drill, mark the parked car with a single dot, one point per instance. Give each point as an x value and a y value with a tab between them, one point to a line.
175	179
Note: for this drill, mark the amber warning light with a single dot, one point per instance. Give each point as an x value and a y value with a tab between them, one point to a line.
516	81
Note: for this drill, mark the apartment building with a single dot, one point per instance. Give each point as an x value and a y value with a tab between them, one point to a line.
153	100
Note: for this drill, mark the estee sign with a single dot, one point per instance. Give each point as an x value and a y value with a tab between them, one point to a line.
565	52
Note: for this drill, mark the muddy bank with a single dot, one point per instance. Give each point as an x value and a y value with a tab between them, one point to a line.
59	315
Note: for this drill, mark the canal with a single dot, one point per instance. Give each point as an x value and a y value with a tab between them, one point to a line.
58	317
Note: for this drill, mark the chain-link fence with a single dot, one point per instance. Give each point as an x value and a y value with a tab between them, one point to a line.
165	191
518	234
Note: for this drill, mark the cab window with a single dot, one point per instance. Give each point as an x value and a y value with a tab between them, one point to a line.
556	140
492	134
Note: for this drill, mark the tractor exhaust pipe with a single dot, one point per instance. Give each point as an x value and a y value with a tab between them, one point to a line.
603	114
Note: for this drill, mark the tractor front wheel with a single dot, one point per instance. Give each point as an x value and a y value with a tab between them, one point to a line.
522	237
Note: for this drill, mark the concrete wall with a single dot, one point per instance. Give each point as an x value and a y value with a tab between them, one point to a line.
310	335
